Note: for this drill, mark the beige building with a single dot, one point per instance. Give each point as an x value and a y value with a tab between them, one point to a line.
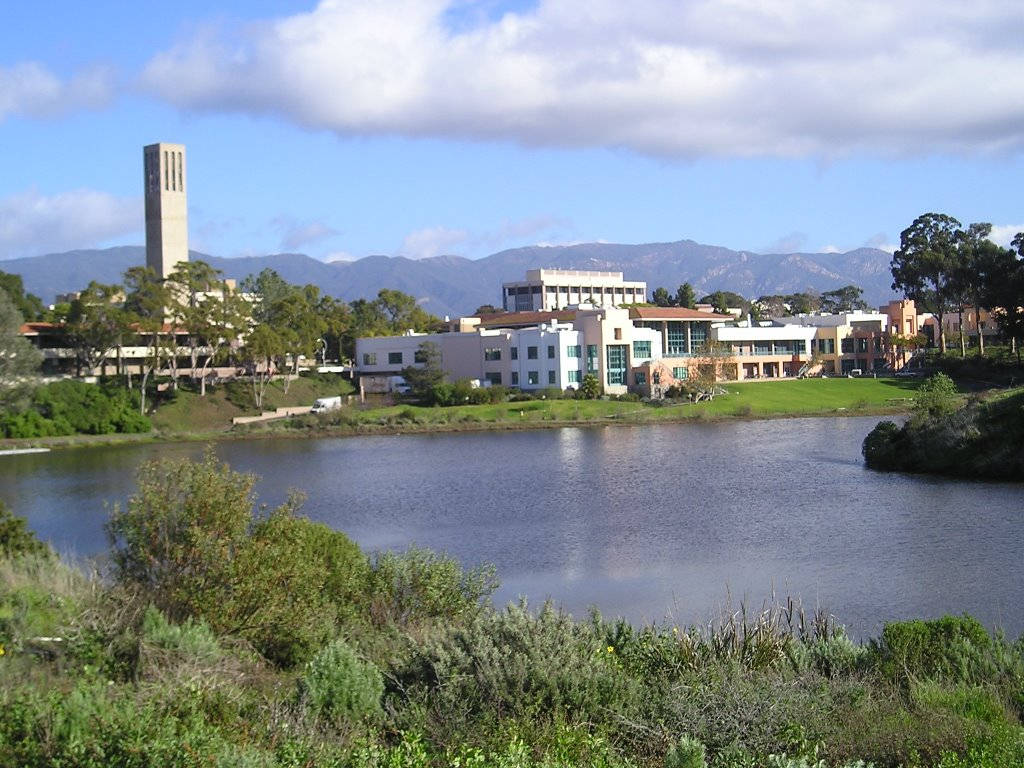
550	289
166	206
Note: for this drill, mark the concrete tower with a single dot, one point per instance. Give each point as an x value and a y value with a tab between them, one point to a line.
166	207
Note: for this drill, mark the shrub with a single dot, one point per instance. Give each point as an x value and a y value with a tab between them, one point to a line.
936	396
686	753
191	639
419	585
338	685
16	538
953	648
881	447
590	387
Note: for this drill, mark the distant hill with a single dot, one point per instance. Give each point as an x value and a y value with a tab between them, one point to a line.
452	285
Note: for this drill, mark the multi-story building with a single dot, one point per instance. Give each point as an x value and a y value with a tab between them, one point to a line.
550	289
847	342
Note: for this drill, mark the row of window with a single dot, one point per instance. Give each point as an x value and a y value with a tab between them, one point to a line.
532	378
492	354
394	358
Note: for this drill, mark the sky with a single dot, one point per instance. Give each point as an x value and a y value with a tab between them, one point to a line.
347	128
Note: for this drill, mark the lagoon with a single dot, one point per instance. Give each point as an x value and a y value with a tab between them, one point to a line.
650	522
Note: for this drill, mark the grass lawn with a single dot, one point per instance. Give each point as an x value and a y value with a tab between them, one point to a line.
747	400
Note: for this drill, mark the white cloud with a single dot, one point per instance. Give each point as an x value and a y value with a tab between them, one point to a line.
28	89
334	256
1002	234
830	248
297	234
789	243
432	241
745	77
33	224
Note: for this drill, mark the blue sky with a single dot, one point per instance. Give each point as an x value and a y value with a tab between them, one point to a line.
424	127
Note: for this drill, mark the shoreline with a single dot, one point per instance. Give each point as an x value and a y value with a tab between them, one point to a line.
374	429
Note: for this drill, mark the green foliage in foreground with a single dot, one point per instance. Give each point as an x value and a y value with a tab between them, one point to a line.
230	635
982	439
72	407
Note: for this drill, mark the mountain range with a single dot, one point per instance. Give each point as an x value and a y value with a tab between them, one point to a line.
452	285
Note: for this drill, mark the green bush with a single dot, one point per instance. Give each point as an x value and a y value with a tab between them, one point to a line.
340	686
954	648
881	447
936	396
74	407
16	538
190	638
686	753
419	585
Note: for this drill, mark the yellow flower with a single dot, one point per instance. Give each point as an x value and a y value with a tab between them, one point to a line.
675	630
611	649
2	651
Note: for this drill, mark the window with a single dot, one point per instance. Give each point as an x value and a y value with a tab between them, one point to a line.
515	378
847	346
492	353
574	377
827	346
369	358
531	353
642	350
862	345
551	351
394	358
573	350
618	334
681	373
493	376
783	348
591	358
616	359
551	377
698	335
676	338
656	377
513	353
762	347
532	377
641	378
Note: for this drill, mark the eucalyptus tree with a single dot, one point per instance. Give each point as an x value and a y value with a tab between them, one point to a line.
96	324
924	267
146	300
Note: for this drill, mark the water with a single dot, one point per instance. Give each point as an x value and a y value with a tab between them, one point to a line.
647	522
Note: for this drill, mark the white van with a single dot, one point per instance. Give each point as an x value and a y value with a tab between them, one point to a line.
324	404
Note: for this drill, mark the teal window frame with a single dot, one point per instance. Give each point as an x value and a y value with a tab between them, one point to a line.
642	350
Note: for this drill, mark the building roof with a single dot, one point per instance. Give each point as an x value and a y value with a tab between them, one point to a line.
521	319
33	329
674	313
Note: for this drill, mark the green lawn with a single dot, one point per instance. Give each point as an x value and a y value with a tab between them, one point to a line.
747	400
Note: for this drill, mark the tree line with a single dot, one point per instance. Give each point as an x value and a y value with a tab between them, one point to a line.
845	299
193	321
948	268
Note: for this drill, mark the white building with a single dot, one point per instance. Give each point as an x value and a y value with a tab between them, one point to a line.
550	289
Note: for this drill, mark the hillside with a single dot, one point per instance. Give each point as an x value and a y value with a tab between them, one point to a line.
452	285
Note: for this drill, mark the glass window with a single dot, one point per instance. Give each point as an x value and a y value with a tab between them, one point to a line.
532	377
394	358
616	359
641	378
847	346
618	331
862	345
551	351
573	350
531	353
492	353
681	373
369	358
551	377
642	350
513	353
698	335
591	358
493	376
762	348
574	377
515	378
676	338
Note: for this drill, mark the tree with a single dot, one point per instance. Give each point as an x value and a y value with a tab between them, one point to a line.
30	306
193	287
426	374
263	347
96	324
146	298
981	263
685	297
590	387
845	299
19	360
1004	291
924	266
722	300
936	396
661	298
487	309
